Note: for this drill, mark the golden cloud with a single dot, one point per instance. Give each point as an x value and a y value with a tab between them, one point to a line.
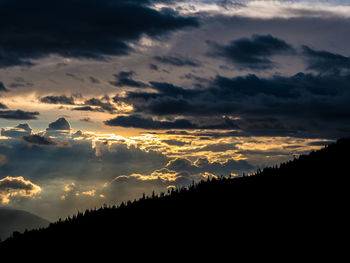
16	186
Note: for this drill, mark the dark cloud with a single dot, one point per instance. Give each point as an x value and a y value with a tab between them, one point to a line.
276	105
78	134
169	89
20	82
18	115
63	99
326	62
203	165
124	78
75	77
218	147
219	98
2	86
82	29
87	119
40	140
17	131
10	59
174	142
137	121
191	76
252	53
177	61
59	128
59	124
101	104
153	67
3	106
88	108
177	132
320	143
94	80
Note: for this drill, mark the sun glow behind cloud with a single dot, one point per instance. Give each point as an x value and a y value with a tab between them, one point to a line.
11	187
183	103
264	9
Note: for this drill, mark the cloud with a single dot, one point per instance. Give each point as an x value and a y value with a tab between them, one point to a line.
129	187
320	143
153	67
202	165
101	104
75	77
3	106
124	78
63	99
88	29
39	140
59	128
60	124
2	86
174	142
18	115
252	53
252	105
326	62
88	108
94	80
83	160
87	119
219	147
16	186
137	121
78	134
177	61
17	131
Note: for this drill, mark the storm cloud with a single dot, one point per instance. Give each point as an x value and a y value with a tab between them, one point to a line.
253	53
252	104
79	29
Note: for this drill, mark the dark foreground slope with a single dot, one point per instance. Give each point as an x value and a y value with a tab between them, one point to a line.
300	201
17	220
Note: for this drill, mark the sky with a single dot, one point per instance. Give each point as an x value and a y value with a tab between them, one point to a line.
104	100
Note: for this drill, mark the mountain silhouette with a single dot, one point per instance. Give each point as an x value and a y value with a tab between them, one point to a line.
17	220
294	206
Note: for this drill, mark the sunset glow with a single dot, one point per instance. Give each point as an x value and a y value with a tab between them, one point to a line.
95	112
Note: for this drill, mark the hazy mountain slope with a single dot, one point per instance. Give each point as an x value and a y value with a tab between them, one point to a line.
302	200
17	220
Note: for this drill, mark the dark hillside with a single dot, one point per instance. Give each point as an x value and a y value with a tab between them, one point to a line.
300	200
17	220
